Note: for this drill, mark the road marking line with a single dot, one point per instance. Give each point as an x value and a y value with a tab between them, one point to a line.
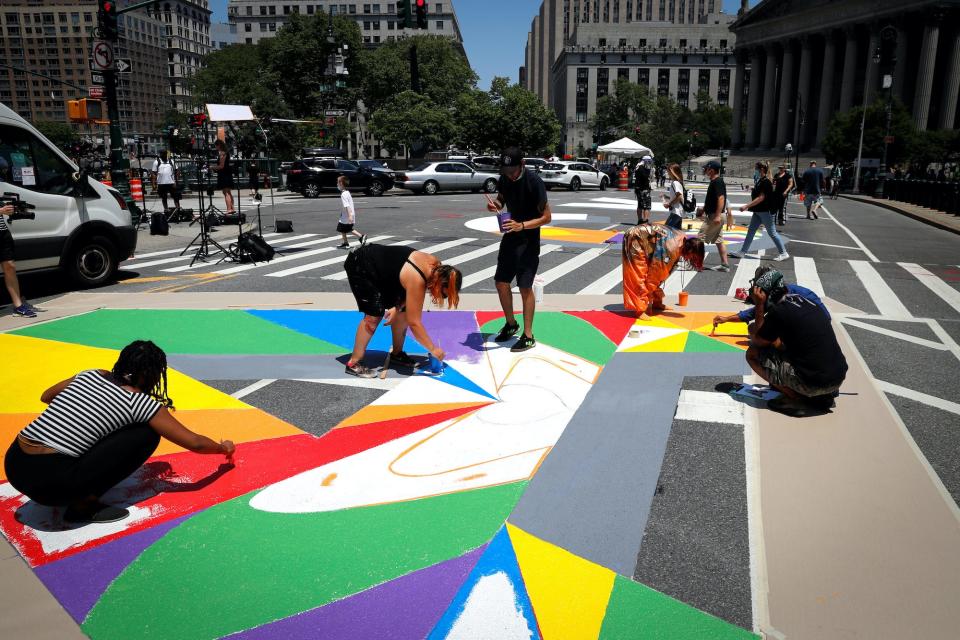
167	252
298	245
437	248
188	256
918	396
745	270
570	265
944	291
310	266
830	216
486	274
923	342
256	386
759	582
604	283
473	255
945	337
678	277
884	299
805	273
824	244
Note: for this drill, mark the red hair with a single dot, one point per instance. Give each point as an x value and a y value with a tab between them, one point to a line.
445	283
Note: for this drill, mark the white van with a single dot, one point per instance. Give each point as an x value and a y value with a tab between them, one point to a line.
82	226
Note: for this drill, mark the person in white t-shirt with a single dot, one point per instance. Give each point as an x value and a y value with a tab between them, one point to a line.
165	175
673	197
348	214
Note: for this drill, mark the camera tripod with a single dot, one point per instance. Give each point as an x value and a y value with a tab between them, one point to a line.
206	246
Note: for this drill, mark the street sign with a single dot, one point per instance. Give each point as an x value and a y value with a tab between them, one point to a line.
124	65
888	139
97	78
101	56
335	113
95	91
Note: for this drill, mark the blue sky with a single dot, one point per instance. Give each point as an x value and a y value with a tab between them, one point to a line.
494	32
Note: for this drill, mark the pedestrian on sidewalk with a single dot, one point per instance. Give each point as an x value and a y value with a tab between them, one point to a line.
650	253
763	203
641	188
392	283
224	169
836	173
782	186
166	179
253	178
673	197
713	209
348	214
812	190
795	349
99	427
21	307
524	196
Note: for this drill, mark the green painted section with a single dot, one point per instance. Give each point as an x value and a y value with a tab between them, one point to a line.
183	332
699	343
637	612
568	333
232	567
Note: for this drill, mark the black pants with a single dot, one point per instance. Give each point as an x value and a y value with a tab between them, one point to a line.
55	479
167	190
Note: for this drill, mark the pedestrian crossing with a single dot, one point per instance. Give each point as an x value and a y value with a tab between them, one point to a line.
875	288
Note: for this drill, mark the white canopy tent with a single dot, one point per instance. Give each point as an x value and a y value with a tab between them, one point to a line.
625	147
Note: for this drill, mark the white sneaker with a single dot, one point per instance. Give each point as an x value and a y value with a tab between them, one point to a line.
735	254
782	257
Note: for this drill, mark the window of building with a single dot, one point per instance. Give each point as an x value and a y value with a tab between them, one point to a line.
286	9
249	11
663	43
353	8
376	25
723	87
623	74
439	7
623	42
366	8
603	42
439	25
683	43
603	82
723	44
366	25
643	42
389	25
376	39
663	82
263	10
703	43
643	77
248	27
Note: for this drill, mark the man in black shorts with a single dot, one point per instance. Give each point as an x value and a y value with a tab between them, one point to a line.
20	306
641	188
525	198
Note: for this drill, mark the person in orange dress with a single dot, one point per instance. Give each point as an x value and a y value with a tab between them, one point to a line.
650	254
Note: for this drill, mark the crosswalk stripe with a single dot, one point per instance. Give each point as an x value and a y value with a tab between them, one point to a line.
678	277
944	291
310	266
604	283
287	258
884	299
167	252
805	274
437	248
299	245
473	255
571	265
745	270
486	274
189	255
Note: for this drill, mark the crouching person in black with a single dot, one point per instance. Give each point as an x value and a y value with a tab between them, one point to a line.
795	349
98	428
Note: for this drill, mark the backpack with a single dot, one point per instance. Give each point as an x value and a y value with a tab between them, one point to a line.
689	203
253	248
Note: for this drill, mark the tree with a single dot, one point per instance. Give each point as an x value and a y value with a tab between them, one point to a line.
413	121
620	113
59	133
712	122
444	71
473	112
843	134
521	119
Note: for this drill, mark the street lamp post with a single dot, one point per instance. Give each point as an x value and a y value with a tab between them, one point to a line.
888	39
787	150
863	123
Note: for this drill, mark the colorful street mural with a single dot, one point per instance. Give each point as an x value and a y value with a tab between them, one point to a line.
394	524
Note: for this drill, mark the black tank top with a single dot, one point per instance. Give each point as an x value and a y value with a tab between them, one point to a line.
227	171
385	264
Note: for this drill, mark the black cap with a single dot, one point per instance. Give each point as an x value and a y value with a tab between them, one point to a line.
511	157
712	164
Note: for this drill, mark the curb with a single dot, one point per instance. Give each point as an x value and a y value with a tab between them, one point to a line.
919	218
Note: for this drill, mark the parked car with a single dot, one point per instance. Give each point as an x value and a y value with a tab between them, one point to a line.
612	170
431	177
573	176
534	164
487	163
311	176
377	166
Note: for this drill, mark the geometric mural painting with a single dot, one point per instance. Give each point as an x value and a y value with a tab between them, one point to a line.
393	524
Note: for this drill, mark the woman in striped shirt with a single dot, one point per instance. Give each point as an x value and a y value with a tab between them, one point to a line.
100	427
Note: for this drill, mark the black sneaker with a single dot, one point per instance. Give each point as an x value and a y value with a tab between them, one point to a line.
99	513
401	358
343	246
507	332
523	343
360	371
363	239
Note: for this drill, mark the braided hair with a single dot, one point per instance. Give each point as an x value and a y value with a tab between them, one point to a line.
143	364
445	283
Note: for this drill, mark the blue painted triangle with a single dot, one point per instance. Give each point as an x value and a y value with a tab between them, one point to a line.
499	561
453	377
336	327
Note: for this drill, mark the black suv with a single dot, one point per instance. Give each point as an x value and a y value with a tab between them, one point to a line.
310	176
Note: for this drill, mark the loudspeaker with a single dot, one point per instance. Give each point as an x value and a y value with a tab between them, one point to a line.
158	225
283	226
254	248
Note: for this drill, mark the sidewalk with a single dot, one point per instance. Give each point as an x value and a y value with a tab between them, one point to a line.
934	218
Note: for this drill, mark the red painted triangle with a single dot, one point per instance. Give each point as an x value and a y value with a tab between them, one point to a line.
612	325
483	317
370	434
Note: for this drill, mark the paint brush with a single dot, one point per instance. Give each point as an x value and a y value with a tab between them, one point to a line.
386	365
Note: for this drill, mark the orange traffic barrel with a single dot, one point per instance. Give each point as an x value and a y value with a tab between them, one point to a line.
624	181
107	181
136	189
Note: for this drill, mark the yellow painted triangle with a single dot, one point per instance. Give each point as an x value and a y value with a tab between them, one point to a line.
42	363
670	344
726	328
381	412
569	594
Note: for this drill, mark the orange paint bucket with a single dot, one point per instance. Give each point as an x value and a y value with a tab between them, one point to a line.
683	297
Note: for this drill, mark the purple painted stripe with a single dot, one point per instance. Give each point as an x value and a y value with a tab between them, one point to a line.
406	607
79	580
457	332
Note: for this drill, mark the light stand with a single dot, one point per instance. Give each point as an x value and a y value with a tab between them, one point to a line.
145	213
202	240
863	123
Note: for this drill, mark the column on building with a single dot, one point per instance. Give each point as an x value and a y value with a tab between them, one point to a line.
928	60
825	112
769	98
900	68
872	71
948	112
849	70
788	97
804	91
751	139
736	132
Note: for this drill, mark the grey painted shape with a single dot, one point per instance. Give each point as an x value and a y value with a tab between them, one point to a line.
229	386
260	367
936	433
592	494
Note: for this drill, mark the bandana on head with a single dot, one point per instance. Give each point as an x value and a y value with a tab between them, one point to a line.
770	281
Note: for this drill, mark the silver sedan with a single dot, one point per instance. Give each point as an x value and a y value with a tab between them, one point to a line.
432	177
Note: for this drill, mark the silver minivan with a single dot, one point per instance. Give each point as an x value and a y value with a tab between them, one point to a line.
81	226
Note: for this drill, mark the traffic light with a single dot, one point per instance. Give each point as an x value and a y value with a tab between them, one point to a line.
421	14
107	19
404	15
84	110
888	47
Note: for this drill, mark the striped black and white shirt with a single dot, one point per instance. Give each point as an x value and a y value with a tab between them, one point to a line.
3	222
87	410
